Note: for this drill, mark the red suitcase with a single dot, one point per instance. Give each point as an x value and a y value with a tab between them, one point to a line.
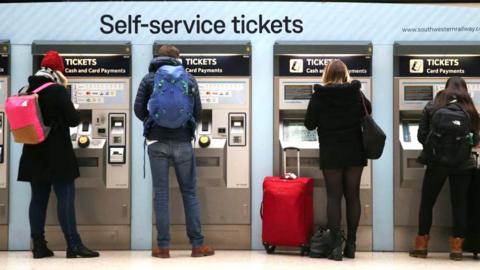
287	210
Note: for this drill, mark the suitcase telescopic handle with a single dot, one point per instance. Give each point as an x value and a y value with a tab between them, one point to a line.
285	159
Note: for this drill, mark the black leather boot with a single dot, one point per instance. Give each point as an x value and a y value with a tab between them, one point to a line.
350	248
337	246
79	250
40	249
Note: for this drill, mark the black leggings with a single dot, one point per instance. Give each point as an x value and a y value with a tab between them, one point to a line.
342	182
433	182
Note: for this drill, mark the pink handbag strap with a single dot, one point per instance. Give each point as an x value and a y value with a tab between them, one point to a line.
36	91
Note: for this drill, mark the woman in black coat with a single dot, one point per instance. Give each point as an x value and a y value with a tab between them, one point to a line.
335	110
53	162
455	98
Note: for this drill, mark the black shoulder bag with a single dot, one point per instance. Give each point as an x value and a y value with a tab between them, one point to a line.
373	136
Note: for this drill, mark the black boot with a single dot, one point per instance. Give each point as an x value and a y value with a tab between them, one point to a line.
40	249
81	251
350	248
337	245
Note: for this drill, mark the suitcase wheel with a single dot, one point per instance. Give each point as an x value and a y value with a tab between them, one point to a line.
304	250
475	255
269	248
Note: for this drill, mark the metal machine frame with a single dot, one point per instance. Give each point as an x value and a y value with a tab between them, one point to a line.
103	192
408	173
225	198
296	111
4	142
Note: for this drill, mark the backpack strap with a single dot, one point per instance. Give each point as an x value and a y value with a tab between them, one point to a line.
36	91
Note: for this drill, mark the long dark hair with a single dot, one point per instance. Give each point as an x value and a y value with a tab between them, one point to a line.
456	89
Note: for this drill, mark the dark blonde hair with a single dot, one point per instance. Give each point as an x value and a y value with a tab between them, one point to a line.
335	72
169	50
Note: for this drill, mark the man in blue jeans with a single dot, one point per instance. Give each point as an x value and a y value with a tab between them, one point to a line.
167	145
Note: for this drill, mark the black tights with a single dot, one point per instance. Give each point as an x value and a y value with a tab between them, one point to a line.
433	182
342	182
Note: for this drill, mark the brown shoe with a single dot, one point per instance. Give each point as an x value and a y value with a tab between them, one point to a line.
163	253
202	251
456	244
421	247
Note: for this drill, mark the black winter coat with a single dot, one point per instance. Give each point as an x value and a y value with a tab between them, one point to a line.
336	112
52	160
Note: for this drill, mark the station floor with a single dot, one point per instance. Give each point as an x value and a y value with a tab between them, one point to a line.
141	260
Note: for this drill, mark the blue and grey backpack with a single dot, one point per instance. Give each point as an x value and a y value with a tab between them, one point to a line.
171	103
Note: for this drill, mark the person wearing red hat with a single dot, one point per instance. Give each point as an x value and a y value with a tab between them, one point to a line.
52	163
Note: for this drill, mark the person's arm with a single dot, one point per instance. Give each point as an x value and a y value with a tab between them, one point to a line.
67	109
311	120
141	100
197	107
424	125
368	104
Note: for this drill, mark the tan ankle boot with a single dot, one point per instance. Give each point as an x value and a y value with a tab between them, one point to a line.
456	244
421	246
163	253
202	251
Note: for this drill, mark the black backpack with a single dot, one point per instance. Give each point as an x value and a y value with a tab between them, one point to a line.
449	141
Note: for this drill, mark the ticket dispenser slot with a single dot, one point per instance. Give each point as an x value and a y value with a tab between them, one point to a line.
117	138
238	132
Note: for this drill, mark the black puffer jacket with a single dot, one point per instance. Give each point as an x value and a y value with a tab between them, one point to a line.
52	160
336	112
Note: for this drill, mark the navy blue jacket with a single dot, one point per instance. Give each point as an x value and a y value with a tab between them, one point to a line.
155	132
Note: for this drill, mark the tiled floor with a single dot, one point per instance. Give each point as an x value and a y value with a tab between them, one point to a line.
245	260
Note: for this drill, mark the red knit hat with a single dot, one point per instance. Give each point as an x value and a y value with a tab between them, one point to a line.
53	60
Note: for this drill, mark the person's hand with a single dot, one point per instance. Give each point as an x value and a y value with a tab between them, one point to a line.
63	79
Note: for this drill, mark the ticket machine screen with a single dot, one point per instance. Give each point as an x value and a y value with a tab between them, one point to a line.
298	91
295	131
418	92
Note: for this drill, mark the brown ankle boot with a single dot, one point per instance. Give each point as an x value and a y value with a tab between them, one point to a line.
202	251
421	247
163	253
456	244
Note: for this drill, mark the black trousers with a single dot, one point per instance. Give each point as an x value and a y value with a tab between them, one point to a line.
433	182
65	192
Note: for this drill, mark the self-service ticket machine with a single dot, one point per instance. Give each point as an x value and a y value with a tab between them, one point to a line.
222	144
421	69
4	89
297	67
99	75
